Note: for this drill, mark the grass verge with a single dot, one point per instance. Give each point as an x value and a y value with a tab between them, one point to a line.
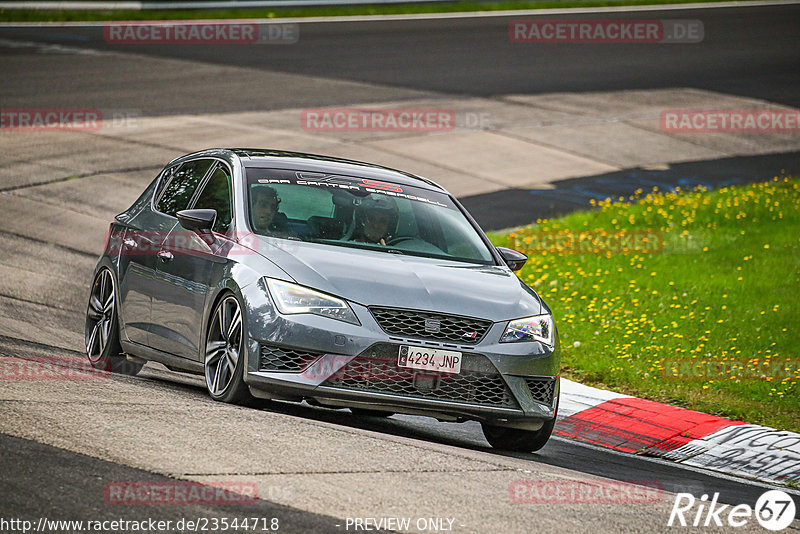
35	15
689	298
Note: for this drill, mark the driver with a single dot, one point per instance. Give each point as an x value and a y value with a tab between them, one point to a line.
375	220
266	217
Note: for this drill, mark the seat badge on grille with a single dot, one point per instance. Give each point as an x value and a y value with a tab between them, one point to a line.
433	326
470	335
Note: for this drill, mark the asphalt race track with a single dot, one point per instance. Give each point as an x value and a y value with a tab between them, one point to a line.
65	441
746	51
148	420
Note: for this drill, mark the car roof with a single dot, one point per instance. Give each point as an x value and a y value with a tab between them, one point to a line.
282	159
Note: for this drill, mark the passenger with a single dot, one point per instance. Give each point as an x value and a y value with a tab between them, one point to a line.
375	220
266	218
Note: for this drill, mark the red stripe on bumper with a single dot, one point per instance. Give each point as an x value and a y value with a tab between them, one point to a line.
638	425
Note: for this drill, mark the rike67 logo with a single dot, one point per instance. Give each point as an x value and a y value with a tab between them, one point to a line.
774	510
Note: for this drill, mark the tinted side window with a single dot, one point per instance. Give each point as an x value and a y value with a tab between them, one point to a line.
181	186
216	195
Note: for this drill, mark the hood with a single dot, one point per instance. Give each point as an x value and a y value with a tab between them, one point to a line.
373	278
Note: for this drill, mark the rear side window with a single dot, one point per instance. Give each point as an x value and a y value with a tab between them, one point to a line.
216	195
183	181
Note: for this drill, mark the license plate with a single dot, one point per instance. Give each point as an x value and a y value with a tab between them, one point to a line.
428	359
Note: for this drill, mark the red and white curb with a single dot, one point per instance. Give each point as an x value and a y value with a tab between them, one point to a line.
640	426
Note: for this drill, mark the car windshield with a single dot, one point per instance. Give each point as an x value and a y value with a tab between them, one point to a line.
361	213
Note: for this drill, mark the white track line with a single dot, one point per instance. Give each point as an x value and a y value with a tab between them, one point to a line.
438	16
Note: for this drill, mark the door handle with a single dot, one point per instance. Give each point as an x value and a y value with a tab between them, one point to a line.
165	255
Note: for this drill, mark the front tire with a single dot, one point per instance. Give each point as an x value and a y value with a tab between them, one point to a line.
517	440
101	334
366	412
226	353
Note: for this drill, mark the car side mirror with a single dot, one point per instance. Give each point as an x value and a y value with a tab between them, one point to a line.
514	259
197	220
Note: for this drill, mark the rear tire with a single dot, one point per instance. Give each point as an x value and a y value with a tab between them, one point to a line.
517	440
101	335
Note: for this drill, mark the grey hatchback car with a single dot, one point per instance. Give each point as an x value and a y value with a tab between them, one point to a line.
290	276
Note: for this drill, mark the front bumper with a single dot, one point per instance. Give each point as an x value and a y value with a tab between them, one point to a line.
343	365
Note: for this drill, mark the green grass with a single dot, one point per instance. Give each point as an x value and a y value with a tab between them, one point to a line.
709	319
31	15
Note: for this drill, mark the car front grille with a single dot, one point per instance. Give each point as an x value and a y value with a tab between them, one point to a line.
429	325
542	389
282	359
376	371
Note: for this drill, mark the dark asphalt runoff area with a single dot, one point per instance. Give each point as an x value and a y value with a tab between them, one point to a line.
514	207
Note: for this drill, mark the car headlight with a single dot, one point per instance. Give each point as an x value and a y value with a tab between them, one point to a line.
537	328
292	299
